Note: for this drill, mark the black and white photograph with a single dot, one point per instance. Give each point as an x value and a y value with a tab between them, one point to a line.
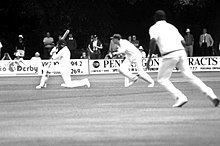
109	73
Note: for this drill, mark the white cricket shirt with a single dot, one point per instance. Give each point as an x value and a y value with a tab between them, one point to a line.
64	56
167	37
129	50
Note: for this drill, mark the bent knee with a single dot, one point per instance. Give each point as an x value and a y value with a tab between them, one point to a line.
162	81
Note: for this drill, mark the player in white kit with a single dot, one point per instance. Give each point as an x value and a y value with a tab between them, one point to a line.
62	53
171	46
132	55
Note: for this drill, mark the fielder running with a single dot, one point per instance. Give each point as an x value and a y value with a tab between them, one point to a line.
170	43
62	53
133	55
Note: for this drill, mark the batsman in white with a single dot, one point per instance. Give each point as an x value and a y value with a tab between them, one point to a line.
133	55
171	46
62	53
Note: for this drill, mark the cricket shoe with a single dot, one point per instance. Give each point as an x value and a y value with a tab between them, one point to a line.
40	86
63	85
212	97
180	102
215	101
131	82
151	85
87	83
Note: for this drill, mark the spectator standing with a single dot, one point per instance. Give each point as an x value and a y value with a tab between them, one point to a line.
89	47
95	48
20	47
72	45
189	39
206	43
48	45
134	41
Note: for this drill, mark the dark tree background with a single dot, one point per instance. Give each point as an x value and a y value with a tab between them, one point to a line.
33	18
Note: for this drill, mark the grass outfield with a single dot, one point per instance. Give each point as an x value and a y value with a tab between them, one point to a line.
107	114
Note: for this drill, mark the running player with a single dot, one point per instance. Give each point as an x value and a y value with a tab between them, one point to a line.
132	55
62	53
170	43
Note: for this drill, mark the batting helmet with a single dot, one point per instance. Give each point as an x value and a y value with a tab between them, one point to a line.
61	42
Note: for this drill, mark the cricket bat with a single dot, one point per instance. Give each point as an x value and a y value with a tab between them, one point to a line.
65	34
54	50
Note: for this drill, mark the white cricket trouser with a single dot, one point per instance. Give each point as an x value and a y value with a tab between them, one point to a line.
181	62
142	74
65	73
